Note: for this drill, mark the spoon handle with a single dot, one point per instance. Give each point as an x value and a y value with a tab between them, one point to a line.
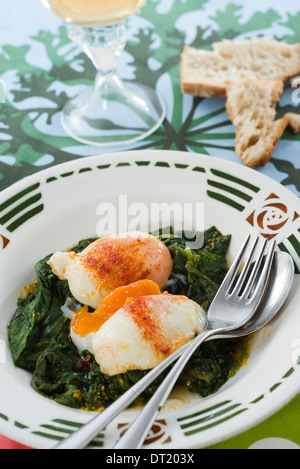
138	430
85	434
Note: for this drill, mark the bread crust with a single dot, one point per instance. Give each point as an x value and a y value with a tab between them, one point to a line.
203	90
277	131
254	144
280	127
294	121
297	69
207	90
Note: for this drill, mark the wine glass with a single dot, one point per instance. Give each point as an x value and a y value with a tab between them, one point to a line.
113	111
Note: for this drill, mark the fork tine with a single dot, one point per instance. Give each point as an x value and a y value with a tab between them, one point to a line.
232	272
255	268
243	275
263	275
236	317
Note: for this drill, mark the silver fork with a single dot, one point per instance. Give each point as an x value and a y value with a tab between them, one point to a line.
244	308
233	306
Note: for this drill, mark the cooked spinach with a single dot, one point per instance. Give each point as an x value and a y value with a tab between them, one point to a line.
198	273
40	342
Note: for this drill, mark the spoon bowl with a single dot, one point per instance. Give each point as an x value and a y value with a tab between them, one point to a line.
278	289
276	293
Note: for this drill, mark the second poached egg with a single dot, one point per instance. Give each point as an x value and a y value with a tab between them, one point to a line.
142	333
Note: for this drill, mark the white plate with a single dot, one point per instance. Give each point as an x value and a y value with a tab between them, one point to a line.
57	207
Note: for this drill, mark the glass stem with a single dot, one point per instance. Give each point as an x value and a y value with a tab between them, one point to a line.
104	45
112	112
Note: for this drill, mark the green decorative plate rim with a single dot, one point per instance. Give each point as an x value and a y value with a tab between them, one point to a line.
261	204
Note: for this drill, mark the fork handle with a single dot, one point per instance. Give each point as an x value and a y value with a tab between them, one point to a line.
139	429
85	434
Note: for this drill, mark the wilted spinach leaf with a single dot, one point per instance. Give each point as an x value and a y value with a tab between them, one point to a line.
198	273
40	342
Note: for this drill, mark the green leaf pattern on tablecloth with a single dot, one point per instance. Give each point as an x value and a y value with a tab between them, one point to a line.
31	136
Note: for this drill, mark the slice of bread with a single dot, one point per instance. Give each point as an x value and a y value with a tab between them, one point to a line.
208	73
251	106
294	121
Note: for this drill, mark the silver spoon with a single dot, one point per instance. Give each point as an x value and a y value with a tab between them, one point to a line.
278	289
280	284
137	432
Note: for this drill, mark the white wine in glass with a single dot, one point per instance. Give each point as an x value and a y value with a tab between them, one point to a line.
94	12
112	112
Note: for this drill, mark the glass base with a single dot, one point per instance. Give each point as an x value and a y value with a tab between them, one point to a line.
113	113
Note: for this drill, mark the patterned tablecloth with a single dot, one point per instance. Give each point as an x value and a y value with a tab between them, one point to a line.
40	68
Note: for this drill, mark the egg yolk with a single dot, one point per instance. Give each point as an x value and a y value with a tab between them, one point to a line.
84	323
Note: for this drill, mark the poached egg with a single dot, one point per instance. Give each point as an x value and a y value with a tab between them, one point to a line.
112	262
142	333
134	326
